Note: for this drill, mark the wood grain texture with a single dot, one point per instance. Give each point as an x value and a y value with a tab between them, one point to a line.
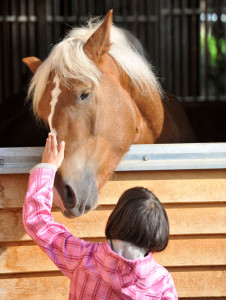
13	190
45	287
194	251
191	186
189	283
195	201
183	219
201	282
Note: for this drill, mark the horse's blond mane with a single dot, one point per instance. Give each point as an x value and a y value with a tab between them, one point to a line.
68	60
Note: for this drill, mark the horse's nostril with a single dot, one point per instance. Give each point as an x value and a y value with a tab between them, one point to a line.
70	197
87	208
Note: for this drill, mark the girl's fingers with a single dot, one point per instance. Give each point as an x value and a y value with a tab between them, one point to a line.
54	142
61	150
48	143
60	155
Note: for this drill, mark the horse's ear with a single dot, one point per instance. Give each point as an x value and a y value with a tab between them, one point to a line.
33	63
99	42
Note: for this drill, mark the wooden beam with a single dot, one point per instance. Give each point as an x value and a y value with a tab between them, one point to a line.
191	251
184	219
191	186
190	283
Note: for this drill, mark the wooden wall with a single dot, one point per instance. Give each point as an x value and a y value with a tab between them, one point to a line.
196	255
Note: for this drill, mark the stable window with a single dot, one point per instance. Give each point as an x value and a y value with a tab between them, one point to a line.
184	40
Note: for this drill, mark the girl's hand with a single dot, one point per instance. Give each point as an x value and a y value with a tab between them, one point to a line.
52	153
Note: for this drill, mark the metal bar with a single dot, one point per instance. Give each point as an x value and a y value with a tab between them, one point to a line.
156	40
105	7
147	27
151	26
53	11
12	45
97	7
6	52
160	39
18	52
189	51
88	8
27	12
194	68
100	7
136	13
171	46
2	89
41	28
206	55
78	11
113	5
217	79
139	157
66	11
124	12
182	48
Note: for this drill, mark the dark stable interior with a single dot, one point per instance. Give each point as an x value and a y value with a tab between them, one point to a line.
18	127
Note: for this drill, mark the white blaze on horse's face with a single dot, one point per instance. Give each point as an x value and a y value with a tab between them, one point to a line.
55	94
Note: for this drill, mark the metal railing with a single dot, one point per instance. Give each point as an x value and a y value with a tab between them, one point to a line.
138	158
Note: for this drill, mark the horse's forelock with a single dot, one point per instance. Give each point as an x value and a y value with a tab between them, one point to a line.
68	60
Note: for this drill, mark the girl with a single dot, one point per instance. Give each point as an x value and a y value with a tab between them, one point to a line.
120	268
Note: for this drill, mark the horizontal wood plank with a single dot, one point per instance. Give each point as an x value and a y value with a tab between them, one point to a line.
191	186
45	287
13	189
193	282
184	220
189	283
195	251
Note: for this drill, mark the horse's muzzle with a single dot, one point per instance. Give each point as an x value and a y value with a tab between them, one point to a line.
78	196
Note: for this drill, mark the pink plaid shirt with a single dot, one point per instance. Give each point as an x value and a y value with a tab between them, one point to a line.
95	270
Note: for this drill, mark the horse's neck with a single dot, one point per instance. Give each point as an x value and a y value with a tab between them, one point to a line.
151	117
160	121
149	112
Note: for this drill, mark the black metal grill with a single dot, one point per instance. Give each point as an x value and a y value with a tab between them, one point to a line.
184	39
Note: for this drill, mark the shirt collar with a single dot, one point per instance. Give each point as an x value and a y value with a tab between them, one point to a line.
127	250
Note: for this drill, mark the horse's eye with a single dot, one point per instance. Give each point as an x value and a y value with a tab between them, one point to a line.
85	95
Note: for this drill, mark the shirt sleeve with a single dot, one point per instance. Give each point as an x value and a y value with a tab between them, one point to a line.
169	292
65	250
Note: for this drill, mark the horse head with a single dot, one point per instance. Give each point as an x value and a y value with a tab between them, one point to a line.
89	113
93	91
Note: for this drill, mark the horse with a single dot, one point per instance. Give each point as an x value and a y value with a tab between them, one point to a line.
98	93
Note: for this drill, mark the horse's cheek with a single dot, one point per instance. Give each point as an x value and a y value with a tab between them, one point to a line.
43	110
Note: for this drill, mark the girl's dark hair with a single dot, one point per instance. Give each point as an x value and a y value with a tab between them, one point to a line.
139	218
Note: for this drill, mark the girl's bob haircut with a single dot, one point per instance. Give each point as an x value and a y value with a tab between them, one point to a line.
139	218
